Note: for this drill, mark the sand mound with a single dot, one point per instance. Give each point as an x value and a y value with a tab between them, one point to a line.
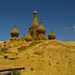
52	57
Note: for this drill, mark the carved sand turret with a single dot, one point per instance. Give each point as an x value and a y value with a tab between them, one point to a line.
41	32
51	35
14	33
28	37
35	21
41	28
34	26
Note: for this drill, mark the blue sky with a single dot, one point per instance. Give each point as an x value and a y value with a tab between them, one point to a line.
59	14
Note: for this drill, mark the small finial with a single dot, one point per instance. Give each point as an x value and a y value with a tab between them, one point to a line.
51	28
15	24
24	33
35	12
35	9
41	20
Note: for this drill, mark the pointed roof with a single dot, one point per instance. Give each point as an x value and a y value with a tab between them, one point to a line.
35	21
52	35
14	31
41	27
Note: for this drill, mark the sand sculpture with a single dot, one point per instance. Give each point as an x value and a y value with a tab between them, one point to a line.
14	33
37	53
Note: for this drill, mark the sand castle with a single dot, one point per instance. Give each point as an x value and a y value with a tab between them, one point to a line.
35	32
37	53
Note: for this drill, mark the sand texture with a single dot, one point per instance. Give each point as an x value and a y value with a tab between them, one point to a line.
50	57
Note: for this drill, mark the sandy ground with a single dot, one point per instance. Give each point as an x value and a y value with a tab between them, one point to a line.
41	58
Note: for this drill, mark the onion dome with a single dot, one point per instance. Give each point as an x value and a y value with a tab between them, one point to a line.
28	37
41	28
14	32
51	35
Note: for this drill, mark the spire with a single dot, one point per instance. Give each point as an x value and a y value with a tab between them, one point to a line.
14	32
35	21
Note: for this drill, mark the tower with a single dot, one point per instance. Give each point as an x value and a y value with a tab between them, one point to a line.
14	33
34	26
51	36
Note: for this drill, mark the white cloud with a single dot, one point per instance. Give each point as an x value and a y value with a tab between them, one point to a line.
65	28
68	28
74	27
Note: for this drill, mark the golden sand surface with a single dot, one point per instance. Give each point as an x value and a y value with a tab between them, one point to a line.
50	57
